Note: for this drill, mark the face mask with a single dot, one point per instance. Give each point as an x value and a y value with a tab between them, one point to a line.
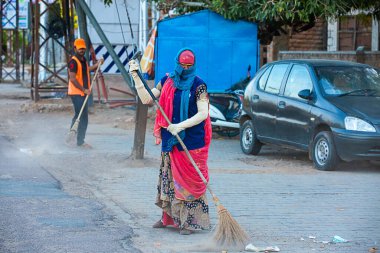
179	69
187	71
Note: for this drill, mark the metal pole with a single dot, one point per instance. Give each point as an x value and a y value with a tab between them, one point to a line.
23	55
53	49
17	44
66	14
140	127
32	58
66	11
1	44
36	50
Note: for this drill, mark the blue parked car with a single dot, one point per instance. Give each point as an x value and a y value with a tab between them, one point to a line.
330	109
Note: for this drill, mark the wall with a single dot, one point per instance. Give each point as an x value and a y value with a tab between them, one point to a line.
224	49
108	19
368	57
312	39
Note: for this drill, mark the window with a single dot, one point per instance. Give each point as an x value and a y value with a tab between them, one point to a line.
275	78
299	79
354	32
337	80
264	78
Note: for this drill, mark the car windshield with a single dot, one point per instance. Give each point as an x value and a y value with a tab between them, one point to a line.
349	80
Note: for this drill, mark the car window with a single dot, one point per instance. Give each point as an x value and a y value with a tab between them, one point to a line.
264	78
275	78
299	79
349	80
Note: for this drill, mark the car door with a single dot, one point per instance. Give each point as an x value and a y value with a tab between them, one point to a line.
293	117
264	100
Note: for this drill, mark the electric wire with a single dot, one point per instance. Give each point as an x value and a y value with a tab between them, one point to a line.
121	27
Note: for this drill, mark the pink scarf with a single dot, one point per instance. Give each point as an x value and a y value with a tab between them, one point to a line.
188	185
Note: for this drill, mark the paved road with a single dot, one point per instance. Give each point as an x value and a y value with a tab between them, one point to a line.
37	216
276	203
278	197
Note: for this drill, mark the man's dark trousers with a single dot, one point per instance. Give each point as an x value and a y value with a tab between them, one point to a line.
78	101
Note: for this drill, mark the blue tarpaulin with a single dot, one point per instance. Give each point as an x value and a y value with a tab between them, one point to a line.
224	49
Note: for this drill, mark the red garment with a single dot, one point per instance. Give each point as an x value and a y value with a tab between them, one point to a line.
167	94
188	185
167	220
187	57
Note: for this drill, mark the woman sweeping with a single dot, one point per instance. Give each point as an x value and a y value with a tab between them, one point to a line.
183	96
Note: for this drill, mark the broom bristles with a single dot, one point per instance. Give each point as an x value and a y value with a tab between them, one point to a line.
228	232
72	134
71	137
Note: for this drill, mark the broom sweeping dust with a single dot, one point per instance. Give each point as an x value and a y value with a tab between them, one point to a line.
228	232
71	136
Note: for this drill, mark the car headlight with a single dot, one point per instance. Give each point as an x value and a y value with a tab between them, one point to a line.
355	124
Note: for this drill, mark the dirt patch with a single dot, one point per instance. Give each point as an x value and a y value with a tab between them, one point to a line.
46	106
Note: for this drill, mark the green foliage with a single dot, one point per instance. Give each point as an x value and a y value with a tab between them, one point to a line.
107	2
8	35
55	24
276	16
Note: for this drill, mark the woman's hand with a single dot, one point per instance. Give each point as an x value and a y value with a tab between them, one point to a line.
175	128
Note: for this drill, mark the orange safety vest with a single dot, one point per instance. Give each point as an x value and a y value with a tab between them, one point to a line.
72	89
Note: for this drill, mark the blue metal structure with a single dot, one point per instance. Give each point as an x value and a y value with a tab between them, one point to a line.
224	49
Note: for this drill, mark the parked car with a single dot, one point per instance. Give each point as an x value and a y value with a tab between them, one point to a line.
330	109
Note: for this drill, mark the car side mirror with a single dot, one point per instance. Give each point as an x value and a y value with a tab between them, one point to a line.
305	94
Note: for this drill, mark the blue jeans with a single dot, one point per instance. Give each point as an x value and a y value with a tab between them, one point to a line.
83	121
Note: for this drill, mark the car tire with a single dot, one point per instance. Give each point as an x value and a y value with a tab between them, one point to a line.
248	140
323	152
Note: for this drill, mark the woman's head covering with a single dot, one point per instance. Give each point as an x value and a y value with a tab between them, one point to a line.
183	80
187	57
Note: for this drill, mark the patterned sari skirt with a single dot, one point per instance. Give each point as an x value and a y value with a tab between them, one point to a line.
191	215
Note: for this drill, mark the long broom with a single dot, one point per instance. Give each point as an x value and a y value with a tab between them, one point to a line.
72	134
228	232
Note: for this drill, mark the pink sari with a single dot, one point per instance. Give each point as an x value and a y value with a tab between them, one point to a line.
188	185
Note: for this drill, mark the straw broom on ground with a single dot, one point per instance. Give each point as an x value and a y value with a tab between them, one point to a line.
228	232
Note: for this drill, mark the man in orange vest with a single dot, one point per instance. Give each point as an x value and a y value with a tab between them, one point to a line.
79	87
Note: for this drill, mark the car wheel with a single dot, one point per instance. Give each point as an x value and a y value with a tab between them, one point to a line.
324	152
248	141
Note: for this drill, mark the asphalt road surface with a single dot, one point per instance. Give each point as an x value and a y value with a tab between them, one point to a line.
38	216
59	199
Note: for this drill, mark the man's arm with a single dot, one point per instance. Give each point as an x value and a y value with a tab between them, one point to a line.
95	66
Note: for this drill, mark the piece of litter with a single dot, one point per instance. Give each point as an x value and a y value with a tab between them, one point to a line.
338	239
312	237
253	248
26	151
302	239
